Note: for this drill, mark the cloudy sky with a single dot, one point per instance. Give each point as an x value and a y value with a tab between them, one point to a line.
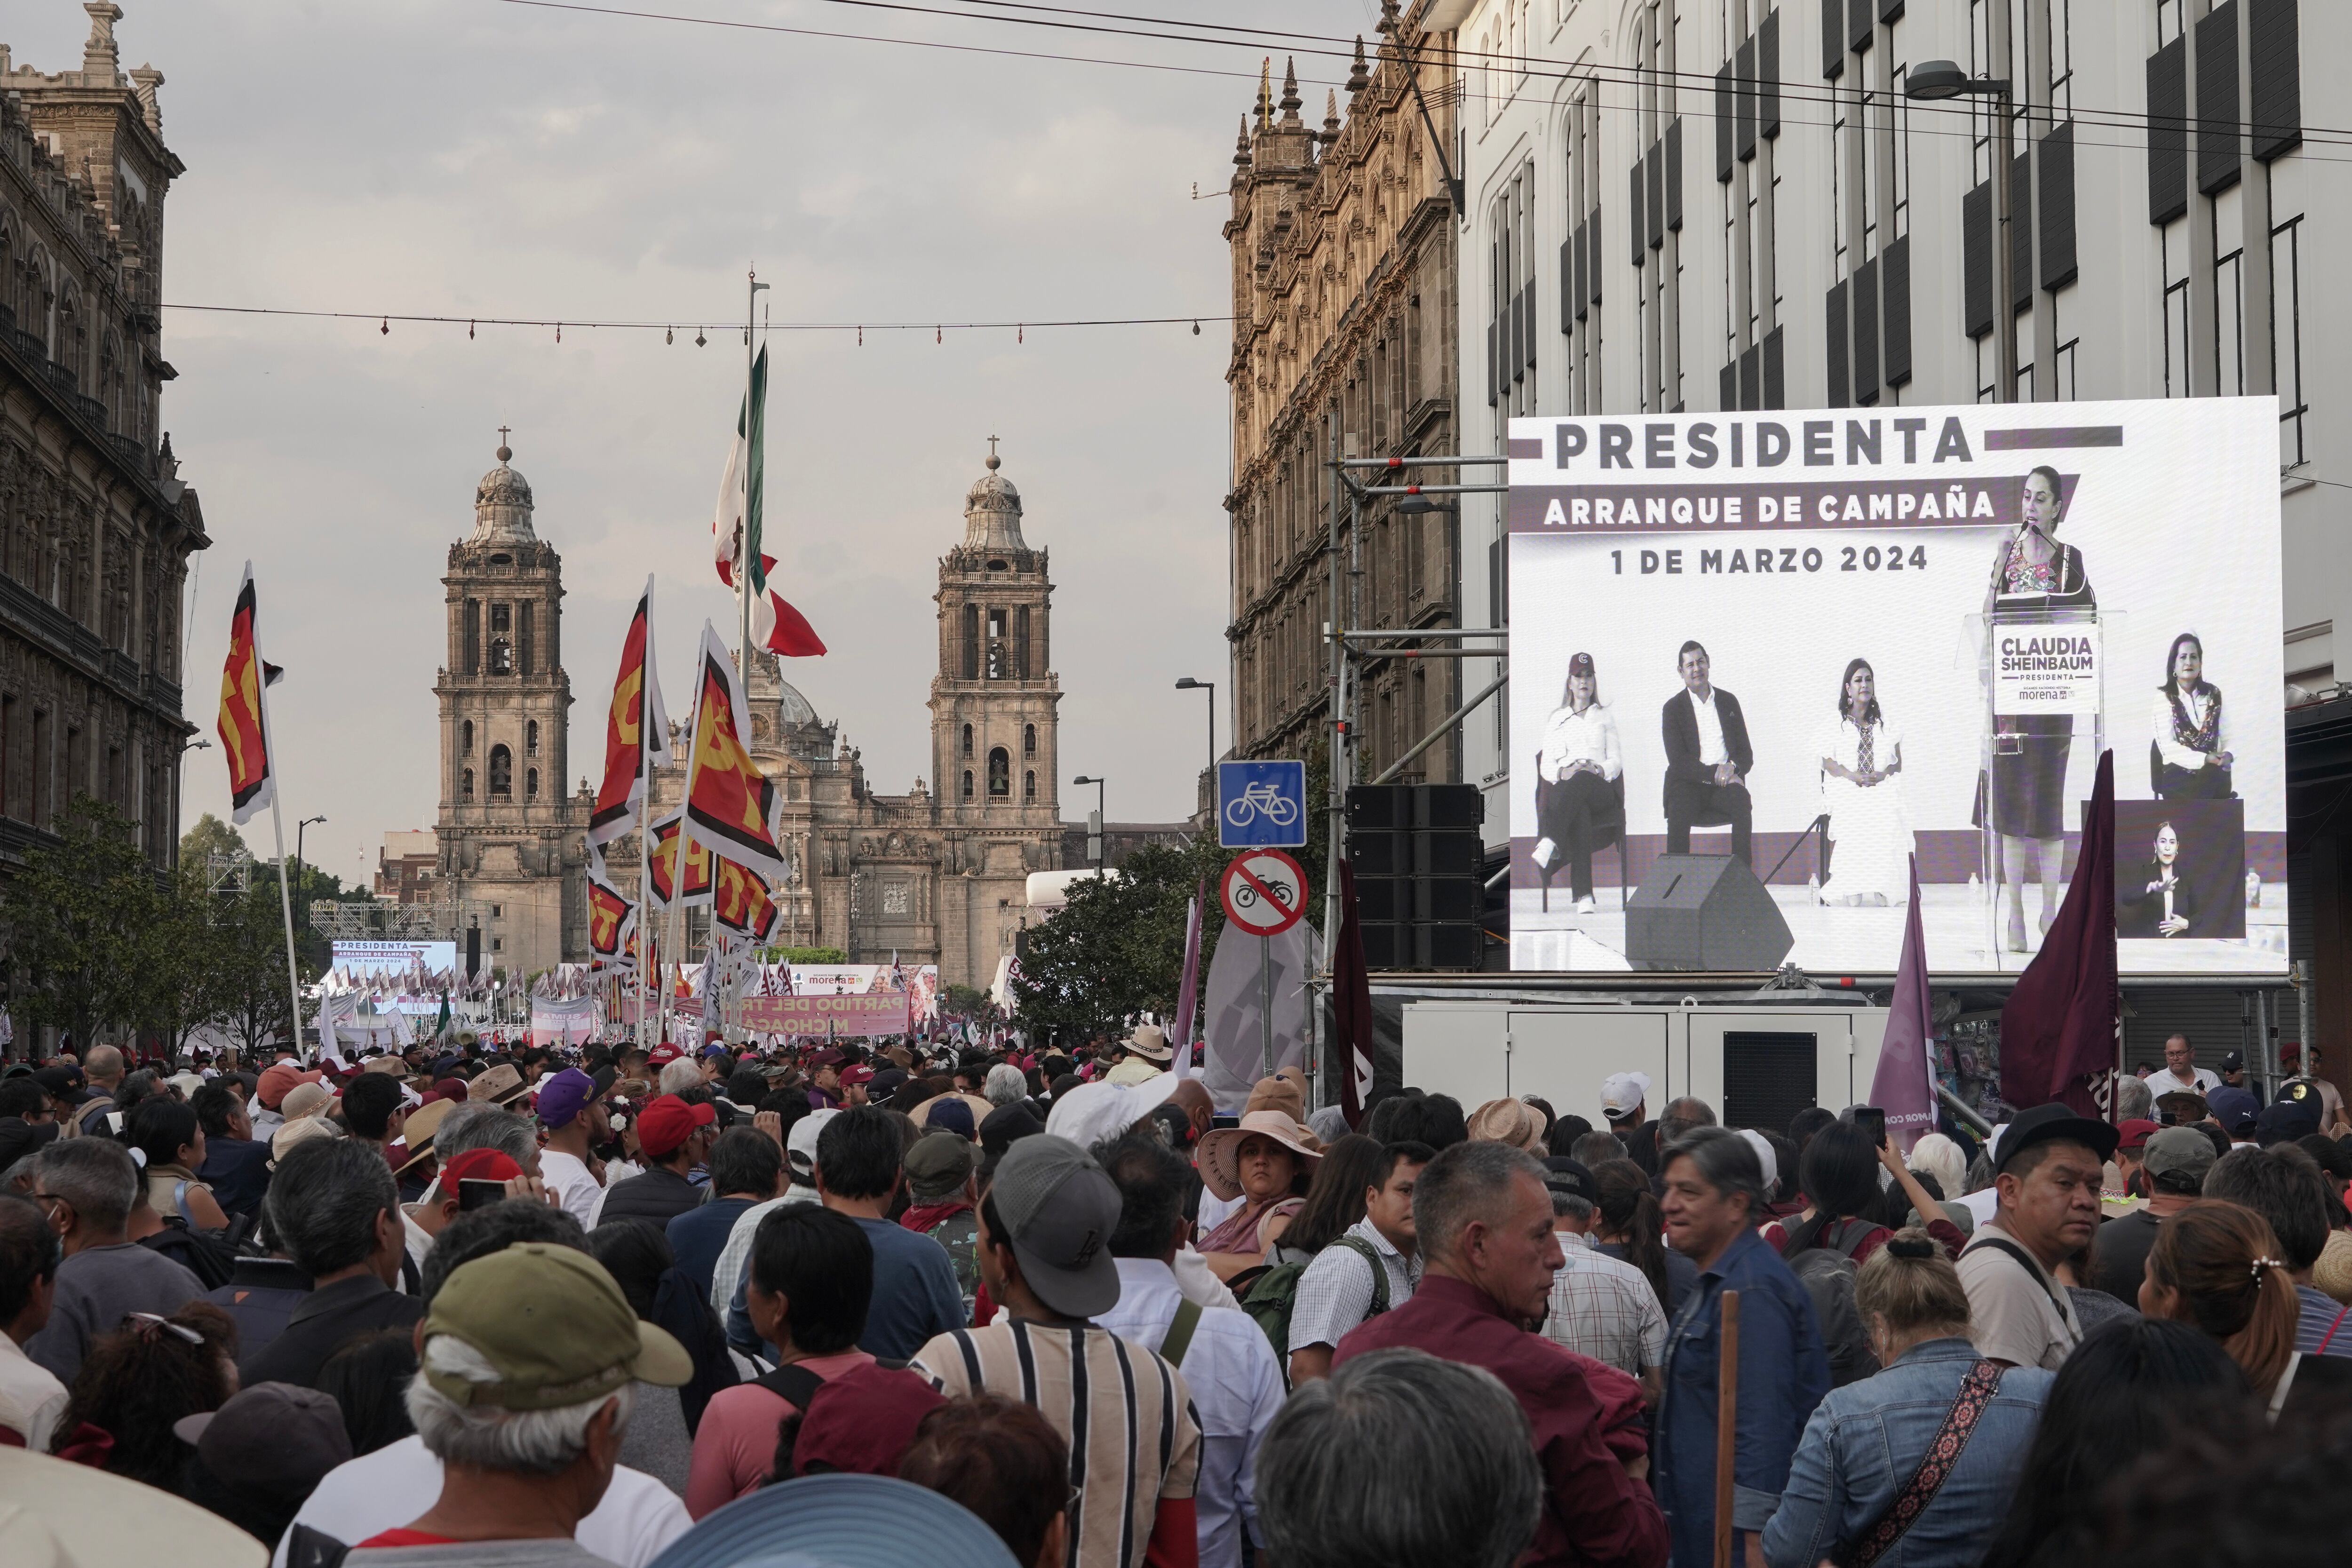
481	156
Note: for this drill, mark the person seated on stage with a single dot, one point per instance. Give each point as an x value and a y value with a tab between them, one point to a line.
2153	897
2193	758
1577	768
1707	759
1861	755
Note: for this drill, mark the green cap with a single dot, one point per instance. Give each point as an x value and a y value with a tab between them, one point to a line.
554	1325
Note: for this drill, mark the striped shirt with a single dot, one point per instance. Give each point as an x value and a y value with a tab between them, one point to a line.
1125	1413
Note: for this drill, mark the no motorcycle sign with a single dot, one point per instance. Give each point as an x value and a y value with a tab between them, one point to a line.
1263	892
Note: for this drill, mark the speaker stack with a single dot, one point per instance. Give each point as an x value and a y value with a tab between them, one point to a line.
1705	912
1418	858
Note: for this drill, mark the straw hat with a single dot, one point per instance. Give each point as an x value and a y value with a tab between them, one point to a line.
54	1513
283	1141
498	1085
1511	1121
423	1122
305	1099
1278	1093
2333	1273
1220	1152
921	1115
1150	1042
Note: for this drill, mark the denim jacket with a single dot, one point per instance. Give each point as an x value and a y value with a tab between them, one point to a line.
1867	1438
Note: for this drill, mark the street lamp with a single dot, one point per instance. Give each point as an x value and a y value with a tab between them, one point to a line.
1933	81
1094	827
298	860
1189	684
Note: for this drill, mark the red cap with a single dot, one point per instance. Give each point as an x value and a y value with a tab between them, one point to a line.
856	1075
2134	1133
662	1054
864	1420
668	1121
478	1165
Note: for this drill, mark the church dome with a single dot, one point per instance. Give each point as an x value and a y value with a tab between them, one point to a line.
502	503
992	509
792	709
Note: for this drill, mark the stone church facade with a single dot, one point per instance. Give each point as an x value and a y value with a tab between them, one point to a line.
934	876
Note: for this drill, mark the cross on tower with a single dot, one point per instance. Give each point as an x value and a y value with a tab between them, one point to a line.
504	450
992	459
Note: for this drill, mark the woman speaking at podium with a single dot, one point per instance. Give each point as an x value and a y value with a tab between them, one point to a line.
2032	576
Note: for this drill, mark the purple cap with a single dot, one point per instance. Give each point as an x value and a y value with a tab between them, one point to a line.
562	1097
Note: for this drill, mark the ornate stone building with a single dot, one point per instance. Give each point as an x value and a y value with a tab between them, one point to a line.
1343	258
95	527
512	846
934	876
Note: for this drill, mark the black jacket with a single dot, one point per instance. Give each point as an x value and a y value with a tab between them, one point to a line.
1680	724
237	1169
327	1318
659	1195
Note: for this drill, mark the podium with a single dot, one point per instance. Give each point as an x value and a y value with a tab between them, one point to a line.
2041	676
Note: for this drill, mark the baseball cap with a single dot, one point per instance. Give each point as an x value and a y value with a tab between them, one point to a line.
2053	1123
1004	1127
2288	1118
279	1078
938	1164
2234	1109
841	1521
800	1143
478	1165
1622	1093
1059	1210
553	1326
949	1111
63	1081
562	1098
1570	1179
856	1075
2179	1149
662	1054
2233	1061
2134	1133
864	1421
270	1437
666	1122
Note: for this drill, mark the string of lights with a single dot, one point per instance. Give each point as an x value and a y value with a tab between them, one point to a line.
701	329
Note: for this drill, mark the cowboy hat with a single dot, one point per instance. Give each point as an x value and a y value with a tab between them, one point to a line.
1150	1042
1219	1152
1512	1121
423	1122
498	1085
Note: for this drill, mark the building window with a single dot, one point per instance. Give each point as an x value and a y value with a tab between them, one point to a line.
971	642
525	646
2229	323
501	774
1029	788
498	944
465	785
2176	309
967	740
2286	337
466	738
530	785
1028	740
967	784
530	738
999	774
473	637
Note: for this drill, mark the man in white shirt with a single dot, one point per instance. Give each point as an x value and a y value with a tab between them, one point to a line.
1339	1290
1226	1361
1708	759
31	1397
575	1122
2181	1073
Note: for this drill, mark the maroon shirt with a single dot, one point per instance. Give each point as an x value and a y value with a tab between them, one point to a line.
1594	1513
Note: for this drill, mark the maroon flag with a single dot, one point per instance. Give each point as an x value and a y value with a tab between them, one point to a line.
2058	1030
1904	1085
1188	992
1352	1003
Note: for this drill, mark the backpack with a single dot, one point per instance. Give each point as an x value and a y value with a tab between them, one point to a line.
1273	1292
1827	1271
208	1256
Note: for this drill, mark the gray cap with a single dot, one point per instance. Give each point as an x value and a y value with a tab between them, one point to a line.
939	1166
2184	1149
1059	1210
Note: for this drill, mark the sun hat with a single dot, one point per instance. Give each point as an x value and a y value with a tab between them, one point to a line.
1059	1210
298	1132
1219	1156
839	1521
2333	1273
1091	1112
1149	1041
54	1513
556	1327
502	1083
1512	1121
305	1099
423	1122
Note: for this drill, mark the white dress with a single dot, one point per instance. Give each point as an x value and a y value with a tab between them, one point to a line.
1868	825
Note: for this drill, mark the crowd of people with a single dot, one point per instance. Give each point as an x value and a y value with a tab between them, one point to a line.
485	1305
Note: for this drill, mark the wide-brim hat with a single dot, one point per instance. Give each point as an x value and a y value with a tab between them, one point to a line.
1512	1121
498	1085
54	1513
1149	1041
1220	1152
423	1122
921	1115
840	1520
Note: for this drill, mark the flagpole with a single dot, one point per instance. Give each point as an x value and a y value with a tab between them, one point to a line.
285	906
744	547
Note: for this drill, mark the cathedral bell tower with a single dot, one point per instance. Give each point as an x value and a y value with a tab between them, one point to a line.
512	852
994	751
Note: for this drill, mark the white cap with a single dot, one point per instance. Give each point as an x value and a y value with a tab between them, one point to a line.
799	1144
1764	1155
1621	1094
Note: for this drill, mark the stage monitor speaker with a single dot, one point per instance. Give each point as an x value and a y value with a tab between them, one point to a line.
1705	912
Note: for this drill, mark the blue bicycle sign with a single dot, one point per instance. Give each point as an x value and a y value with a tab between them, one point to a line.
1261	804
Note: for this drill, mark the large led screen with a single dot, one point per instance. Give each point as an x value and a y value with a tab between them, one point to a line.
1761	663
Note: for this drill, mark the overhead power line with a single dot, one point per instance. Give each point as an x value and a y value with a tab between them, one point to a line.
701	327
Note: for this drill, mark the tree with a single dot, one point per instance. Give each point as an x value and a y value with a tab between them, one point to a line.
81	918
1118	948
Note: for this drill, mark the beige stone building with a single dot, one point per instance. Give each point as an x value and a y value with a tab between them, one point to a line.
96	528
1343	277
934	875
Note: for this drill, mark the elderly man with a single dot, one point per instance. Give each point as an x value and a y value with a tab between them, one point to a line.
87	1187
528	1356
2047	1176
1482	1221
1400	1457
2181	1073
1715	1193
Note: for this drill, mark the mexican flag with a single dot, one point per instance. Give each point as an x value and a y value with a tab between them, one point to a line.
735	531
